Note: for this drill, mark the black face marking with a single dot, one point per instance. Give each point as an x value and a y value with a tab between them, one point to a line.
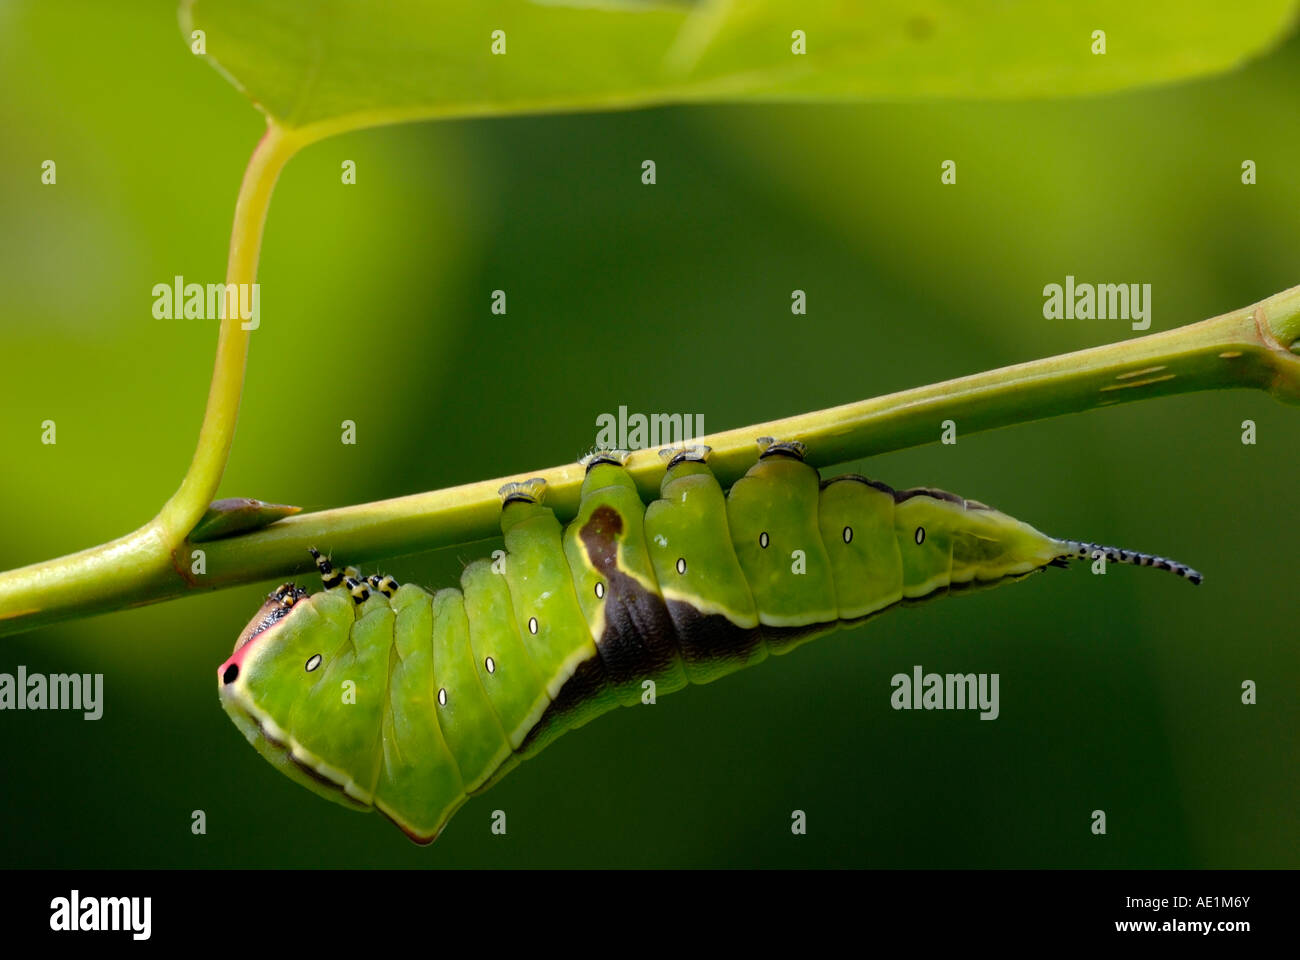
848	534
919	535
313	662
231	674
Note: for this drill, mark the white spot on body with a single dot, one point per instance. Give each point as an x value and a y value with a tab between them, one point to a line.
532	625
600	590
681	565
490	665
313	663
442	697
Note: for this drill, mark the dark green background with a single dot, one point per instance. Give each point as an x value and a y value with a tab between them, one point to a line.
1120	693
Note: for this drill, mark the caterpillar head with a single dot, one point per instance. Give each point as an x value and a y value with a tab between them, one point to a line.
279	603
269	677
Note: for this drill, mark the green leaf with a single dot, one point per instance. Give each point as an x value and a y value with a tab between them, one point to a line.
334	65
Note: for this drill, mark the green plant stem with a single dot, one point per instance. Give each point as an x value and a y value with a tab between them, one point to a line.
132	569
1246	348
199	487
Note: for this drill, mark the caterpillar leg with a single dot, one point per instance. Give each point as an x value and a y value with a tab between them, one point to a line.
771	447
351	578
330	577
384	584
359	589
615	457
672	456
526	491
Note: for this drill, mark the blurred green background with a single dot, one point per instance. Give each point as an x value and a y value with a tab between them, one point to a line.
1119	693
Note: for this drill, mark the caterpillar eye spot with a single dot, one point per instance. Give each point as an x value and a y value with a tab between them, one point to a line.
919	536
313	662
600	590
532	625
763	540
231	673
490	665
442	696
848	534
681	565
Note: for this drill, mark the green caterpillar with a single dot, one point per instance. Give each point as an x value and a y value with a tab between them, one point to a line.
410	702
